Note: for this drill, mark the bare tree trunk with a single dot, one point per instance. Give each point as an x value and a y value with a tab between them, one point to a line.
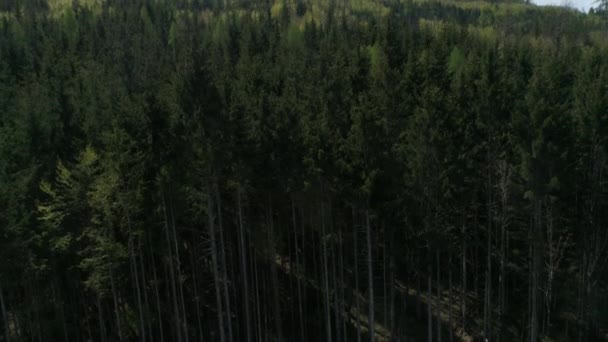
4	314
370	274
535	271
419	292
214	261
463	299
429	299
336	293
488	281
197	298
257	297
179	275
391	285
275	280
438	299
160	320
102	326
505	175
301	274
135	276
172	271
224	265
146	301
325	273
356	270
115	298
244	267
450	318
384	282
342	285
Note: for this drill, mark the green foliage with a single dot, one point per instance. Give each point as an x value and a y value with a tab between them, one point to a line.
134	133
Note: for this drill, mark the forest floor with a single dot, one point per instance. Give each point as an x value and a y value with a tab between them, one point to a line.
408	296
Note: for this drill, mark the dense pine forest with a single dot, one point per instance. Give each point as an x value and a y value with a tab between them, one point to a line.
303	170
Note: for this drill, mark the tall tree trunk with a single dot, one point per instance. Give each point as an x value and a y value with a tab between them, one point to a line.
4	314
325	273
429	298
343	315
535	271
438	299
197	298
488	281
179	275
135	276
370	276
214	262
117	313
304	289
258	326
244	267
336	293
450	320
275	280
391	283
356	270
174	293
224	265
505	174
463	299
157	293
102	326
301	274
143	280
384	282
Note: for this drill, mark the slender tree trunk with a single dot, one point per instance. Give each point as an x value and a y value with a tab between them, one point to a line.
301	274
384	282
450	319
488	282
214	261
135	276
244	268
224	265
438	299
172	272
356	270
146	301
102	326
157	294
197	298
391	283
504	195
325	273
463	299
343	315
304	289
275	280
429	298
115	298
179	275
419	292
336	294
370	276
535	271
4	314
258	326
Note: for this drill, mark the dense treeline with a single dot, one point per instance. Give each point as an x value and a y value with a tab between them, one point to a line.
302	171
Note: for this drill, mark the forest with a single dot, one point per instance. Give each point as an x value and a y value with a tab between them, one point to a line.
303	170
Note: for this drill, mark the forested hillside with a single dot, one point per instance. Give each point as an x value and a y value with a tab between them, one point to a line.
302	170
